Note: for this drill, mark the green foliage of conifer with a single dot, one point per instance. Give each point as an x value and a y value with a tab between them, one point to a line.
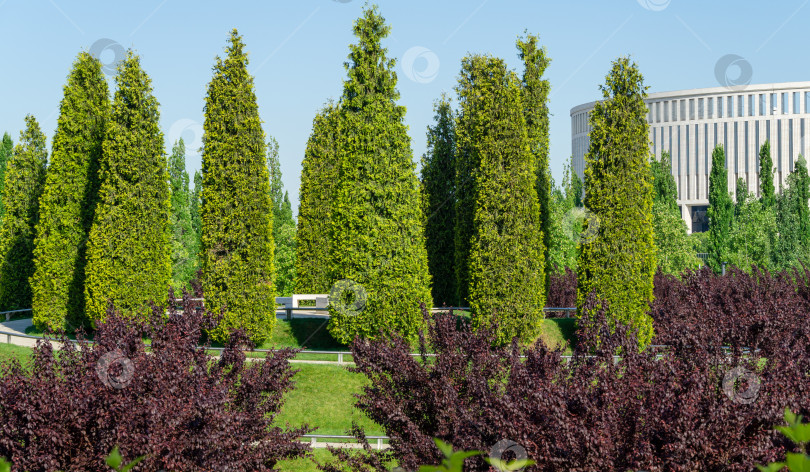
499	243
315	197
128	261
378	240
25	179
438	178
535	110
69	200
6	150
238	269
617	262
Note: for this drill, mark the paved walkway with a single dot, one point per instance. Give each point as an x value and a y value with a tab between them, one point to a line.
17	327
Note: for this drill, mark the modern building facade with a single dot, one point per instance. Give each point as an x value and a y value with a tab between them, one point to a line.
689	123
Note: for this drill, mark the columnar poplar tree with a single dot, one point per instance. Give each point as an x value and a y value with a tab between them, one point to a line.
6	150
617	263
802	197
499	243
69	200
720	212
128	261
378	241
25	179
283	224
535	106
766	187
184	242
238	270
317	191
664	188
438	195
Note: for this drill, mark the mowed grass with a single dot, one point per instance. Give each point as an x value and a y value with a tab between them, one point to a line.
324	398
306	464
10	351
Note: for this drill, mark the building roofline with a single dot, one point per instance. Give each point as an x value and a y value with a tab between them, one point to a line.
755	88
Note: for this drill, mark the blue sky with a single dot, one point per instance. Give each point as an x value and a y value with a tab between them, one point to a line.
297	50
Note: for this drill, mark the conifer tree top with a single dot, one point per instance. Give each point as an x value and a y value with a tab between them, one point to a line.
371	72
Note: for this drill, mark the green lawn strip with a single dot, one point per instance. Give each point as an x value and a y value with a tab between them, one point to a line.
306	464
10	351
323	398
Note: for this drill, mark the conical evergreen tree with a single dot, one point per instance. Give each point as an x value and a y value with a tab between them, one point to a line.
184	242
438	194
720	212
617	261
318	180
6	150
767	191
801	182
674	250
378	239
25	179
238	272
497	206
128	261
69	200
535	109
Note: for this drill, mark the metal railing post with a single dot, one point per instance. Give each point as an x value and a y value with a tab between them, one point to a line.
340	358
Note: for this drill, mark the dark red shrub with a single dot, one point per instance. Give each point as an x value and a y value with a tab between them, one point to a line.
172	402
694	407
562	289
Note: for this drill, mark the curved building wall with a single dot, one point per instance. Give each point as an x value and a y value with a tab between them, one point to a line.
689	123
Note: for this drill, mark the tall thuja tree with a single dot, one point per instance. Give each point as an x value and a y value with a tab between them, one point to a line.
184	242
25	179
674	250
535	110
438	195
315	198
238	267
283	224
766	186
69	200
617	263
378	240
6	150
128	261
498	222
720	212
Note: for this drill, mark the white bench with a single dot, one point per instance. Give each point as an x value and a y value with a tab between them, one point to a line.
321	299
